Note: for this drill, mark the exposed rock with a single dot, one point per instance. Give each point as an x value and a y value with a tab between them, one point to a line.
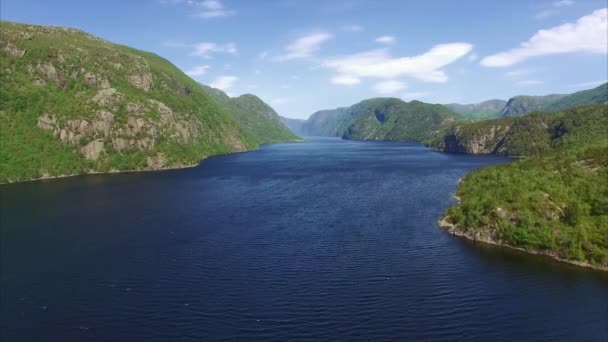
143	81
49	71
13	50
166	114
90	79
157	162
47	121
120	144
106	97
93	149
183	90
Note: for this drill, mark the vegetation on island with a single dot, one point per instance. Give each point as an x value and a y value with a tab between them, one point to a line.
554	201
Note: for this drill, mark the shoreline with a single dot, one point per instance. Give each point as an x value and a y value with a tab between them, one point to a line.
455	231
113	171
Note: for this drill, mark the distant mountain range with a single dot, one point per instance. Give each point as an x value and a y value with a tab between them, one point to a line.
350	122
520	105
377	119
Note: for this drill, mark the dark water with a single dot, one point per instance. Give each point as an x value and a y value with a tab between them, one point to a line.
322	240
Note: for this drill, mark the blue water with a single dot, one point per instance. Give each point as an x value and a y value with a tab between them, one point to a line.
321	240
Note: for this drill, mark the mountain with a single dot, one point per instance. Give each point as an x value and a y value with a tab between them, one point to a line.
555	201
523	104
520	105
71	103
393	119
534	133
253	115
328	122
482	110
598	95
294	125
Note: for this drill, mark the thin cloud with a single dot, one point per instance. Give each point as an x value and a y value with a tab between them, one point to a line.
554	8
352	28
205	9
414	95
198	70
385	40
305	47
587	34
530	82
379	64
205	49
589	84
224	82
389	87
345	80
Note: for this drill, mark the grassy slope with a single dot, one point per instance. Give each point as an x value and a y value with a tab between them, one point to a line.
28	151
555	201
255	116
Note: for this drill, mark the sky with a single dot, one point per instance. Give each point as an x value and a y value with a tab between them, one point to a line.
301	56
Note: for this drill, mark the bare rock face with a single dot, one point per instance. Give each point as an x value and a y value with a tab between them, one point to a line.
141	81
50	73
90	79
13	50
157	162
107	97
47	121
490	141
93	149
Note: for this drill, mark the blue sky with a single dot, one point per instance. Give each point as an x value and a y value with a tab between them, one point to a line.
303	55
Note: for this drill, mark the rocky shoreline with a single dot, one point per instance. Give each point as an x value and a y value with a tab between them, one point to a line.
456	231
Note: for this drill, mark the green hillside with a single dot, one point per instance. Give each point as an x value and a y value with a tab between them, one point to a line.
71	103
393	119
535	133
598	95
255	116
477	111
553	202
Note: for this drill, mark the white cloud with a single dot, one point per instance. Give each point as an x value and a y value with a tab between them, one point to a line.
304	47
385	40
379	64
414	95
205	49
345	80
389	87
224	82
587	34
198	70
352	28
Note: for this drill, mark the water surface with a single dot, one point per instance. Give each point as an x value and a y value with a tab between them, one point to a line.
321	240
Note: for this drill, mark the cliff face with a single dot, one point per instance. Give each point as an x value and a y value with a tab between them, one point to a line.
489	140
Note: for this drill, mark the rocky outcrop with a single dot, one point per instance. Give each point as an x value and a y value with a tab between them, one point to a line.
491	140
141	81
